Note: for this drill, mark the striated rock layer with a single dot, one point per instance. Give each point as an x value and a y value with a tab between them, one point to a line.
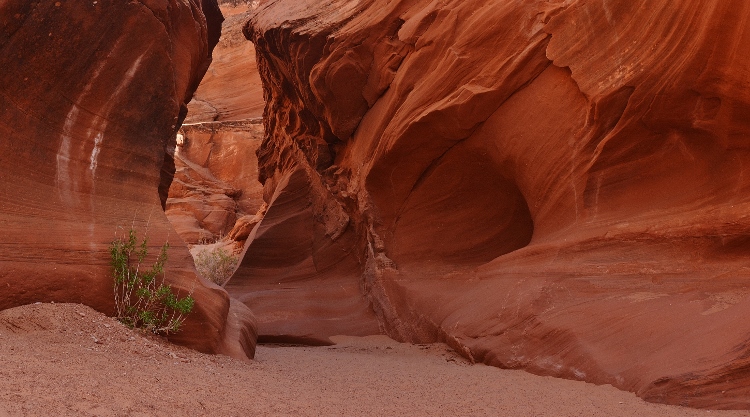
231	89
91	95
557	186
216	181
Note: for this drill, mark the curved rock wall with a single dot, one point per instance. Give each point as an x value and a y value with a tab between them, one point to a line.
91	95
556	186
231	89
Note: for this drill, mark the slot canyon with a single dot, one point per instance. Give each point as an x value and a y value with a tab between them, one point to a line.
553	186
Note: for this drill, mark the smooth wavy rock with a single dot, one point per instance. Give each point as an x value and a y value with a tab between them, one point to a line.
231	89
91	95
557	186
216	181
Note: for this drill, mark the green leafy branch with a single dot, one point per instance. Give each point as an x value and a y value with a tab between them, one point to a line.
142	299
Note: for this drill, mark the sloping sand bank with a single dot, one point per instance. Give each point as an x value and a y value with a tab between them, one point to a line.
66	359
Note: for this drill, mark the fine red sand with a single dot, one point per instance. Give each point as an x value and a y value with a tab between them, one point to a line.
67	359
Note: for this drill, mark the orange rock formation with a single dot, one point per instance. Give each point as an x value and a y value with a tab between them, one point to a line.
216	181
231	89
91	95
556	186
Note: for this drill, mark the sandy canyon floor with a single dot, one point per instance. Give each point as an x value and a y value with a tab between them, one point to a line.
67	359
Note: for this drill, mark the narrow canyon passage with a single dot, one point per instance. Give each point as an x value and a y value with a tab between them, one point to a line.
532	200
555	187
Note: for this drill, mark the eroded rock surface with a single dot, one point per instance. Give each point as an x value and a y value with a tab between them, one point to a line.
91	95
216	181
231	89
556	186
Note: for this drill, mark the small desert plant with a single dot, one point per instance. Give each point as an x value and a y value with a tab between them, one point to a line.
142	299
216	265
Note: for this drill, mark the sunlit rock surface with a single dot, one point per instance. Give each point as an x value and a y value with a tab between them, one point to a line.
557	186
91	95
216	181
231	89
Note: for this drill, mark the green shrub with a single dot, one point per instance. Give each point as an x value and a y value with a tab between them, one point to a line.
216	265
142	299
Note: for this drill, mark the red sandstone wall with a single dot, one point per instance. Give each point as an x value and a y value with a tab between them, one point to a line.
91	94
556	186
231	89
216	181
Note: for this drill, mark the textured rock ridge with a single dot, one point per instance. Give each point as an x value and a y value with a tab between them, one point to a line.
91	95
556	186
